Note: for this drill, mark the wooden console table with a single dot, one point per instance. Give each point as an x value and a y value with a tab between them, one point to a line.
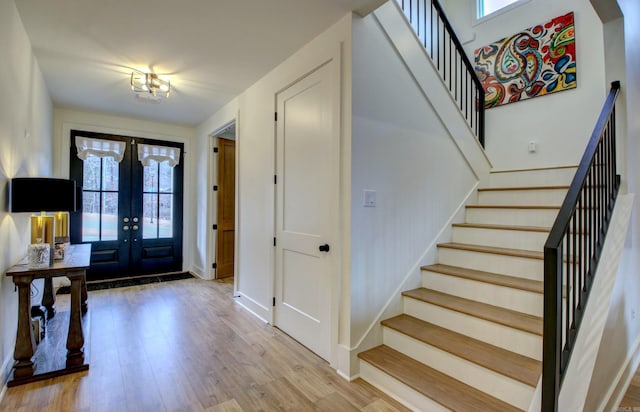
73	266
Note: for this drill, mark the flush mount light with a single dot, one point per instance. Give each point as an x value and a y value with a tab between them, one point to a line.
150	85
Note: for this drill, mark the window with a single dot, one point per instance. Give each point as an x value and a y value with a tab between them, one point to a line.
157	200
99	199
487	7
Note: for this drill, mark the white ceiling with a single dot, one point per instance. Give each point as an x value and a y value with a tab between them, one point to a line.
211	49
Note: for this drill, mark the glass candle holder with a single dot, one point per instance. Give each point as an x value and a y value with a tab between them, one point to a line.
38	255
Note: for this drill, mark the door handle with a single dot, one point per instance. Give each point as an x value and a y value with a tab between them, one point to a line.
324	248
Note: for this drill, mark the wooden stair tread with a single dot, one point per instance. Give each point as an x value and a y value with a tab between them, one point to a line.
503	227
495	314
512	188
512	207
502	361
528	285
435	385
495	250
532	169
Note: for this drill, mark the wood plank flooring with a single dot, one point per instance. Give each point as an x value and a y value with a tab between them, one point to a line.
186	346
631	400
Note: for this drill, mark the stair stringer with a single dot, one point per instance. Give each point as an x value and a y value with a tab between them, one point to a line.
412	279
419	64
573	392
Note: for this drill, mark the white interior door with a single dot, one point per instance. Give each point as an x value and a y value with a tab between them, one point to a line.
307	139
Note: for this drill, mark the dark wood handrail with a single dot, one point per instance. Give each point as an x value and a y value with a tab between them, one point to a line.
579	231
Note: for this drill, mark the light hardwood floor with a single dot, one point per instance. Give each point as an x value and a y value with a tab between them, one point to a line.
186	346
631	400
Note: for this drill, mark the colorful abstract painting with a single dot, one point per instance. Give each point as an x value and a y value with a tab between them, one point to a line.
534	62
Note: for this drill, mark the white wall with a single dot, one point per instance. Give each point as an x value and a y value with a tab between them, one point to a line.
560	123
65	119
620	353
25	151
255	150
402	150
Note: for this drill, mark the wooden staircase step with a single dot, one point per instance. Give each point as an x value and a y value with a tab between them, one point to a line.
539	229
506	317
513	188
435	385
487	277
495	250
502	361
512	207
503	227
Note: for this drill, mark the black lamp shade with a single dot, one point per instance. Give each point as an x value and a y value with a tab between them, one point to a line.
39	194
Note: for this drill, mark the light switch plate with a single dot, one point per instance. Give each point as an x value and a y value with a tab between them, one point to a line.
369	198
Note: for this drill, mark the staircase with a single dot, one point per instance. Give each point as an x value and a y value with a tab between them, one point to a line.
471	337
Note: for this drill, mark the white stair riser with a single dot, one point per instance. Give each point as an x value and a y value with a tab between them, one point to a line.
546	177
505	297
483	379
512	217
398	390
490	262
515	340
547	197
514	239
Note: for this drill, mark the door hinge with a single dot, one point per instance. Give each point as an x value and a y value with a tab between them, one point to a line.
215	227
274	241
215	188
274	301
215	150
214	265
275	179
276	116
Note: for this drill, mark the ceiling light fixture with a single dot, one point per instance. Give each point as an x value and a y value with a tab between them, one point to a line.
150	84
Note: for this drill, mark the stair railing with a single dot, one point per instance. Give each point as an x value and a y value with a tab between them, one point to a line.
572	251
435	33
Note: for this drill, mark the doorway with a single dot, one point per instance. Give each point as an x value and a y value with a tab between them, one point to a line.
131	203
225	235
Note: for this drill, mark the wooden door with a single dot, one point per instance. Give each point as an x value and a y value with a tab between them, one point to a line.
307	140
225	243
130	213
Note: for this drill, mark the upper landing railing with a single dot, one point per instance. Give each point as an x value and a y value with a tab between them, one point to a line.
434	31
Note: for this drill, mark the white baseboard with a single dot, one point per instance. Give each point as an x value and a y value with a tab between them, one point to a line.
196	270
347	377
196	274
4	375
252	306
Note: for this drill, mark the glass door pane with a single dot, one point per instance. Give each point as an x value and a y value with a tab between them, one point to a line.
157	219
100	199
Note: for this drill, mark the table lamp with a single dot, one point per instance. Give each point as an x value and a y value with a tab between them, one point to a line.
38	194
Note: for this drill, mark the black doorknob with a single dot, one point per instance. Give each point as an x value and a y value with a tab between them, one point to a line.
324	248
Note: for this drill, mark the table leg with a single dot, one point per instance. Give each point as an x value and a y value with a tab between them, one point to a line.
83	289
48	300
75	338
25	343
